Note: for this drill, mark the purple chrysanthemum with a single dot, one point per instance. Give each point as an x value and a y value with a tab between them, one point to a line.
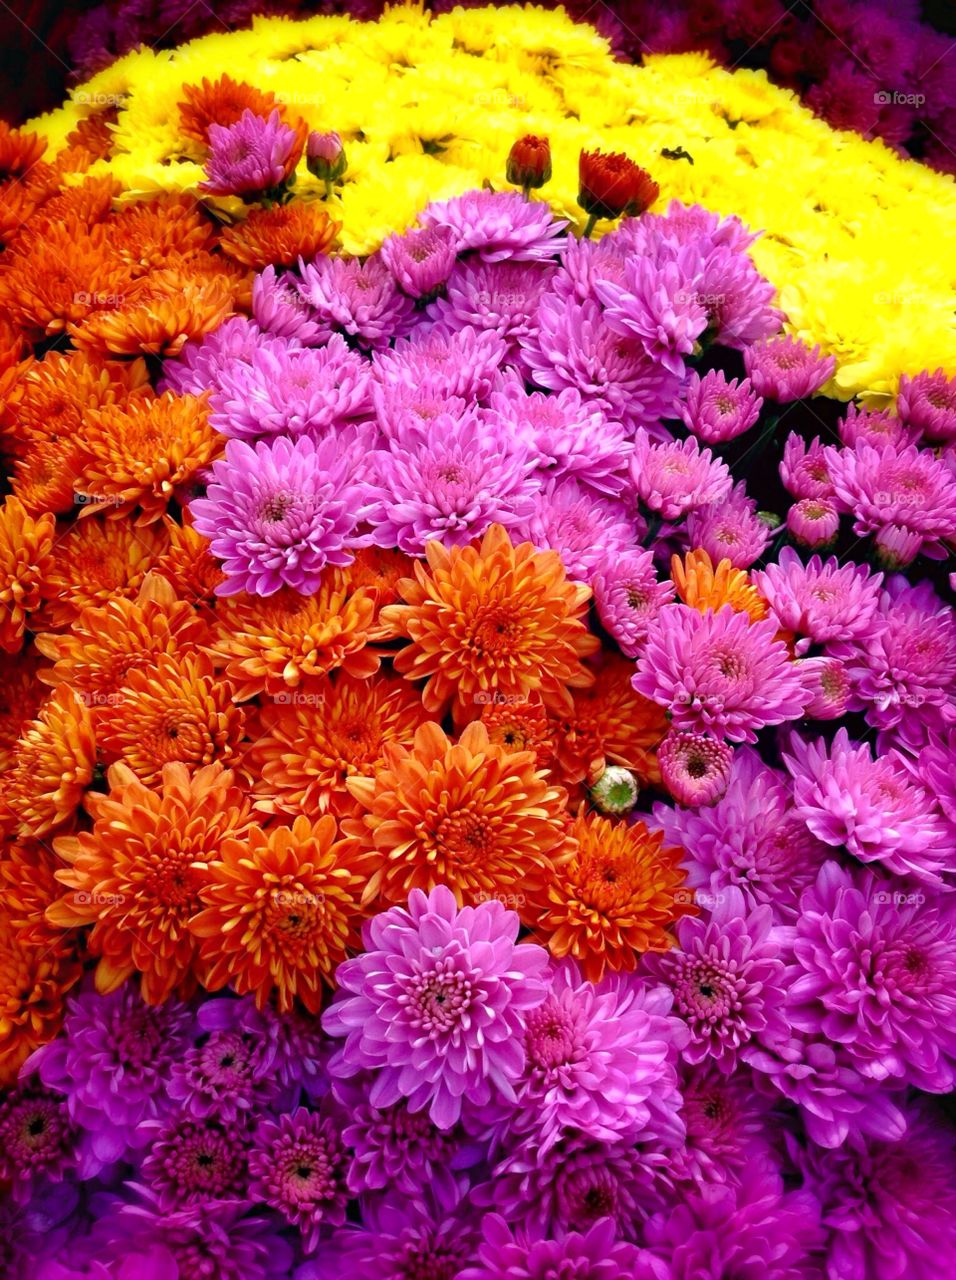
874	970
695	768
228	1069
279	309
786	369
830	686
403	1242
730	530
200	363
813	523
463	363
871	807
719	673
420	261
297	1167
676	477
928	404
358	299
191	1162
657	303
498	225
727	979
581	525
821	600
750	839
450	481
868	426
805	468
726	1122
717	410
298	391
278	512
596	1254
254	155
628	597
400	406
38	1139
435	1004
500	296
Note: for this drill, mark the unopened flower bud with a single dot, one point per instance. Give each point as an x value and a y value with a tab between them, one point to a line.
529	162
615	790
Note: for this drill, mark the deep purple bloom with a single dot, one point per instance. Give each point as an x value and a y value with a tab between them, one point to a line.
498	225
727	1123
38	1139
297	1167
228	1069
192	1161
596	1254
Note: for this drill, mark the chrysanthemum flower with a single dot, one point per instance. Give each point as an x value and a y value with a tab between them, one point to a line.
251	156
611	184
491	618
358	299
500	296
469	815
595	1254
34	978
730	530
702	586
871	807
813	523
695	768
25	563
147	233
719	672
727	977
136	456
894	491
220	102
463	362
20	697
672	479
498	225
279	910
157	314
279	236
272	645
19	151
315	738
829	681
191	1161
614	899
53	765
628	595
290	391
872	970
297	1167
227	1069
727	1126
435	1004
198	366
175	710
654	302
580	525
868	426
38	1141
717	410
278	513
821	600
281	312
186	563
927	403
421	261
519	726
136	876
379	570
805	468
786	369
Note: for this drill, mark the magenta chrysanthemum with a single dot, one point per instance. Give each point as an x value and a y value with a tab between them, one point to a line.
420	261
37	1139
805	468
200	364
719	673
786	369
673	478
927	403
830	686
628	597
279	309
593	1255
813	523
358	299
717	410
868	426
254	155
194	1161
498	225
727	1126
228	1069
656	303
297	1167
435	1002
695	768
500	296
463	363
820	600
730	529
582	526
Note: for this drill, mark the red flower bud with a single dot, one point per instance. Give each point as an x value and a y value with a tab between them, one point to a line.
611	185
529	162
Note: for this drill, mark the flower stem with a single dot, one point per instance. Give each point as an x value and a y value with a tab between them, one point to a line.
592	218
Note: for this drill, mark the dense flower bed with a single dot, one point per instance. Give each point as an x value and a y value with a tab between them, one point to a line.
478	744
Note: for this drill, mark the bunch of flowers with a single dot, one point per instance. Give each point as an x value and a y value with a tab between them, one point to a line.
478	736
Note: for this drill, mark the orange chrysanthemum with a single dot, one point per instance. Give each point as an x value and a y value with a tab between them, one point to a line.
189	564
136	877
11	344
280	235
87	202
491	619
44	477
33	982
271	645
21	694
172	710
53	765
136	455
19	151
520	726
147	234
18	203
26	545
703	587
470	815
281	910
94	134
615	898
221	102
157	315
95	561
610	723
316	737
28	885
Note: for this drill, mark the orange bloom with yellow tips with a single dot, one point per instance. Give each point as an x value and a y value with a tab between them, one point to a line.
19	151
491	619
520	726
615	898
172	710
26	545
280	235
136	876
138	454
281	910
273	644
148	234
189	565
33	983
53	765
703	587
28	885
471	815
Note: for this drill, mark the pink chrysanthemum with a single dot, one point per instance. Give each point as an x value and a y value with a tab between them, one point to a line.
674	478
501	296
719	673
198	366
804	469
254	155
928	404
278	512
695	768
717	410
420	261
191	1162
435	1004
575	347
596	1254
813	523
786	369
498	225
727	1128
295	392
450	481
868	426
279	309
892	491
730	529
831	687
628	597
358	299
582	526
871	807
230	1067
656	302
297	1167
822	599
38	1139
463	363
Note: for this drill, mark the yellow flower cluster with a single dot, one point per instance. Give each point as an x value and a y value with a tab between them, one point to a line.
858	240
